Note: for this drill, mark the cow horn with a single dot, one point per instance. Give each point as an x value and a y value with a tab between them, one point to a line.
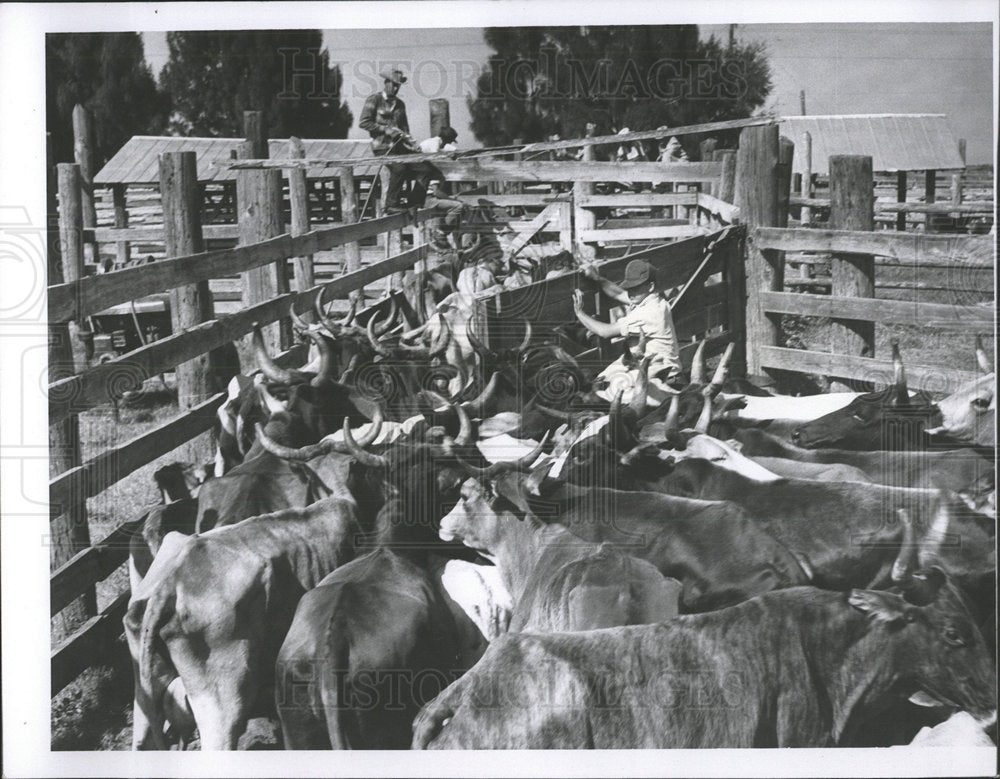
318	304
351	313
300	454
409	335
478	404
533	484
505	466
555	413
464	437
937	533
641	389
440	345
390	320
722	369
907	557
698	365
528	460
899	376
527	338
359	454
347	377
670	424
478	346
565	356
705	418
298	323
267	366
982	357
324	373
274	406
373	340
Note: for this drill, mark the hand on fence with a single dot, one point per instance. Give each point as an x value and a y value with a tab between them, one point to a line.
578	300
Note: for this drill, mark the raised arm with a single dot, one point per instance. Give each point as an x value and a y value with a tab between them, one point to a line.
601	329
608	287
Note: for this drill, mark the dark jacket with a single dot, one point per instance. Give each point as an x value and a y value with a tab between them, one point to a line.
378	116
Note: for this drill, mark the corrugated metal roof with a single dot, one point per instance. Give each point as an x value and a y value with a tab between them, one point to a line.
137	162
894	141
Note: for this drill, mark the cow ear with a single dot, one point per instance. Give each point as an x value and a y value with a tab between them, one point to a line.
880	606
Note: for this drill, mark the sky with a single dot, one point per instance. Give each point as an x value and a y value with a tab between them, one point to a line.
843	69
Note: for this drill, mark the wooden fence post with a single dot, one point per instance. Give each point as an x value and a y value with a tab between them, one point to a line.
956	177
119	194
757	199
83	155
735	275
298	197
807	178
727	178
254	131
190	304
583	218
69	532
901	198
930	196
706	149
258	209
383	181
349	215
853	275
786	153
566	227
440	114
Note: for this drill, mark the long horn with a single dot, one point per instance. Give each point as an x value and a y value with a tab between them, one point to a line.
505	466
267	366
526	461
359	454
298	323
300	454
527	338
564	356
982	357
555	413
409	335
440	345
478	404
615	419
670	424
324	373
373	432
464	437
899	375
641	389
373	339
391	318
533	484
937	533
722	369
273	405
318	305
698	365
347	376
480	348
705	418
907	558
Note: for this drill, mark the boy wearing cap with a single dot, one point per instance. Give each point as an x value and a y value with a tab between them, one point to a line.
647	312
440	198
384	118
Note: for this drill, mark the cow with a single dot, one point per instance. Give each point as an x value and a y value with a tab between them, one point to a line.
889	419
215	613
969	413
801	667
557	581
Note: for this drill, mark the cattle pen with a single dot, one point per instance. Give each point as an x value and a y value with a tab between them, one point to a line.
719	236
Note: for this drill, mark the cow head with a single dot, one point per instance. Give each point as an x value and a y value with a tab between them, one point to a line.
969	413
866	421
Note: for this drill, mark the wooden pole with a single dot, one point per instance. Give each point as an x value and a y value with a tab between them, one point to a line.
735	275
383	177
956	176
190	304
258	209
786	153
298	196
583	218
68	528
118	192
807	178
349	215
802	102
706	148
901	198
440	114
757	199
255	132
852	207
930	196
727	178
83	155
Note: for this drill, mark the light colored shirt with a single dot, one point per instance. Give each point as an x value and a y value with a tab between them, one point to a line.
434	145
652	316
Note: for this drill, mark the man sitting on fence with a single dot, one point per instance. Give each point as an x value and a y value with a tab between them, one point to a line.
440	198
647	313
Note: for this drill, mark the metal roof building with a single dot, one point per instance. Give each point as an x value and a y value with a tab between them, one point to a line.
895	142
137	162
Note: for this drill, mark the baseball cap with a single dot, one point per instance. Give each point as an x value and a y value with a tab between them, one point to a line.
637	273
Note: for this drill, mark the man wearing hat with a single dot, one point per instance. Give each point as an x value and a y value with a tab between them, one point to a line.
384	118
647	312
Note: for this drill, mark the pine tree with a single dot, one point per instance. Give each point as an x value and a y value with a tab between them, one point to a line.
213	77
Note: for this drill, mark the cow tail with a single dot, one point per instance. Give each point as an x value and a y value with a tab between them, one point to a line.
334	694
159	609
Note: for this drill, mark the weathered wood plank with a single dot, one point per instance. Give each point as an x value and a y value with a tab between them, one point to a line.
641	200
114	464
968	207
92	294
92	565
917	247
727	211
653	172
862	368
904	312
77	653
101	383
156	234
641	233
506	201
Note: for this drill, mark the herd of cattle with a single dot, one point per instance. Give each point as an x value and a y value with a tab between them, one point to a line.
404	544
